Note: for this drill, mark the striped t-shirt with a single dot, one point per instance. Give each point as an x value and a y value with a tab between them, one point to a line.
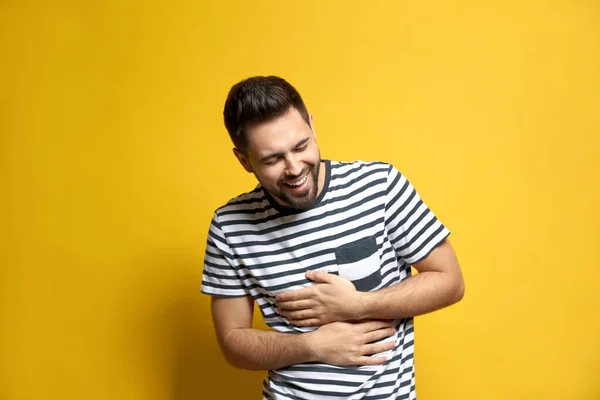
368	224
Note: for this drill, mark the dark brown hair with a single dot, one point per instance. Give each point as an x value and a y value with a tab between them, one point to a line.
256	100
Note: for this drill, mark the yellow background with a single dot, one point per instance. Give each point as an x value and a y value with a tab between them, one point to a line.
114	155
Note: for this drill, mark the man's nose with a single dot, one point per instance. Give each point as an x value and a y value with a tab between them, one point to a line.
293	167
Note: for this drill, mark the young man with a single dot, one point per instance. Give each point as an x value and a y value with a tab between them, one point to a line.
325	249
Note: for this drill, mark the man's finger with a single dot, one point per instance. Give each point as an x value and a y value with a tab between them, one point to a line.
302	314
375	325
378	334
307	322
320	276
366	360
377	348
294	295
294	305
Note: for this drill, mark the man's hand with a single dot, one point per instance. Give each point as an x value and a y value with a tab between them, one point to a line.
334	298
350	343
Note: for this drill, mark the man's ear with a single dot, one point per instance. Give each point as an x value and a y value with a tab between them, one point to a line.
312	124
243	160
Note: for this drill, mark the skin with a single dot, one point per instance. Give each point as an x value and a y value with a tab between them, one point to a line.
438	284
284	151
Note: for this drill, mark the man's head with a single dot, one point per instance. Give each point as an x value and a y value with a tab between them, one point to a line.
274	138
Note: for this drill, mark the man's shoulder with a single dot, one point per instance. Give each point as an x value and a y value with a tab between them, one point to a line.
357	167
245	202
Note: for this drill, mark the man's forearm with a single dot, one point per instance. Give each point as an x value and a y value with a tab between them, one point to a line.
256	349
419	294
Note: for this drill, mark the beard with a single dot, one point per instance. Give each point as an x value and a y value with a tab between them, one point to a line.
298	201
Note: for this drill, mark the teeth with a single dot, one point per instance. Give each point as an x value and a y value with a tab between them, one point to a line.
299	183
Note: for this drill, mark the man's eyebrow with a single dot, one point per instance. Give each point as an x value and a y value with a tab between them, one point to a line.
296	147
301	143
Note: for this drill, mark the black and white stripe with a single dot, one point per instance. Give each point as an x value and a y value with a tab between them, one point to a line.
256	248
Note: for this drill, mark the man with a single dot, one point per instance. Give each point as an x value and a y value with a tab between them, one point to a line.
325	249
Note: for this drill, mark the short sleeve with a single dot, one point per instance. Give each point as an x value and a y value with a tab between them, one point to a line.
220	277
412	228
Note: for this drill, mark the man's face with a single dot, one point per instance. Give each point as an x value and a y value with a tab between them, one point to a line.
284	156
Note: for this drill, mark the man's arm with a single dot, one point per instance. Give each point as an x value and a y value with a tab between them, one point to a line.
248	348
339	343
438	284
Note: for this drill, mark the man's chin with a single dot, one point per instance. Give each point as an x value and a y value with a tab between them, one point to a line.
299	201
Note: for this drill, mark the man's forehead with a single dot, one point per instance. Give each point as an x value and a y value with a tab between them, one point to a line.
281	134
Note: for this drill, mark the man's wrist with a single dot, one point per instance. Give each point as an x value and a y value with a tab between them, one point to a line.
307	344
365	306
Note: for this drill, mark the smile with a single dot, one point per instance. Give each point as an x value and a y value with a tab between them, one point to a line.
299	183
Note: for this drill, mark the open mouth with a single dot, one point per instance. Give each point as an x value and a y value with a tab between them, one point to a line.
300	184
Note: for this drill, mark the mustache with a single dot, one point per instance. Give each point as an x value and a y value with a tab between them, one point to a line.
292	177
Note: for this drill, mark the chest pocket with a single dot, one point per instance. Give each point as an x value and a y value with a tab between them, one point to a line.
359	262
